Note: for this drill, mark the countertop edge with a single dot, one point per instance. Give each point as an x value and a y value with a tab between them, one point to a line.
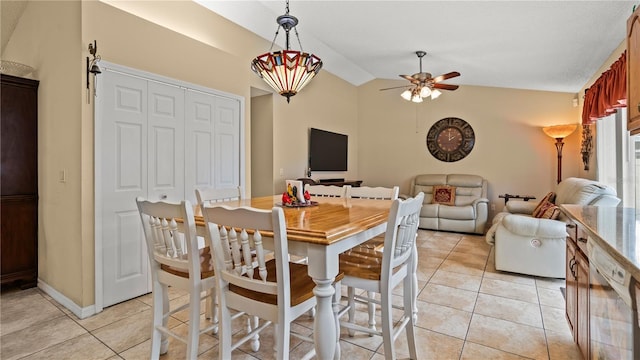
570	212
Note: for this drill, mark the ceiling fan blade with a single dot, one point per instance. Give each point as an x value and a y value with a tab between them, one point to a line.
446	76
407	77
396	87
445	86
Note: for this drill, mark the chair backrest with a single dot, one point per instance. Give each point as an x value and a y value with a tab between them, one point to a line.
580	191
377	193
328	190
402	229
237	238
170	234
209	195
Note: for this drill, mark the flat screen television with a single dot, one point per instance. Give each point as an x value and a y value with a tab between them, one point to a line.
327	150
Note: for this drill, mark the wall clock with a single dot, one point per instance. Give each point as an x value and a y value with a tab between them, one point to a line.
450	139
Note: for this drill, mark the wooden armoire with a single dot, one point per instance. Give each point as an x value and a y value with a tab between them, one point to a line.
19	181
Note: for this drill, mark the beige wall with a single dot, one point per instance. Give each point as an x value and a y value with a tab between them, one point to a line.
510	151
327	103
181	40
197	47
48	37
262	145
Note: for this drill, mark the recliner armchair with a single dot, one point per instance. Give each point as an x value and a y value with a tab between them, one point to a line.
536	246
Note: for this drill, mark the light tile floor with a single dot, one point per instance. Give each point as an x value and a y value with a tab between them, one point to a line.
467	310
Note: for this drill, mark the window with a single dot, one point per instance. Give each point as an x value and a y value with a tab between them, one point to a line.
618	157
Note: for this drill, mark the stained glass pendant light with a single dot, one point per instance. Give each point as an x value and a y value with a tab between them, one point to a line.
287	71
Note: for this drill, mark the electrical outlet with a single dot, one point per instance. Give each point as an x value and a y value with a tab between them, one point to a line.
281	172
493	207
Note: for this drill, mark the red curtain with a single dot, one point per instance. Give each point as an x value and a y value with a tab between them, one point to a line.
607	93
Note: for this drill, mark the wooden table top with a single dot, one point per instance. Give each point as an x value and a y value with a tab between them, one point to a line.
332	220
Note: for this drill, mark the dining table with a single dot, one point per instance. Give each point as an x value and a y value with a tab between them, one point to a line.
320	231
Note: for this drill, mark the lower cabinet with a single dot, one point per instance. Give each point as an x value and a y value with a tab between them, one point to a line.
577	288
582	336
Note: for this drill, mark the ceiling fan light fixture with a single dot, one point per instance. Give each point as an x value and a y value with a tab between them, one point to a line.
425	92
424	85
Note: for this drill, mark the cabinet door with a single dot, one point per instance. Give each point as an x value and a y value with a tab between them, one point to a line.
19	130
19	245
582	270
633	71
571	287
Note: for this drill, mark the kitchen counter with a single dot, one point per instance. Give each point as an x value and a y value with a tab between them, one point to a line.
614	229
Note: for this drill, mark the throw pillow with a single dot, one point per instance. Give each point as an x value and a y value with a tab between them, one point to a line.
549	198
548	211
443	194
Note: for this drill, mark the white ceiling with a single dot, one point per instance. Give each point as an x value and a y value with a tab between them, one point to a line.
541	45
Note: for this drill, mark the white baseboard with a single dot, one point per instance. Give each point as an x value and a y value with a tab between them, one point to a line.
66	302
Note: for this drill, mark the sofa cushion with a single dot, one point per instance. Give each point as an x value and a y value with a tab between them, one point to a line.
544	203
429	210
457	212
547	210
443	194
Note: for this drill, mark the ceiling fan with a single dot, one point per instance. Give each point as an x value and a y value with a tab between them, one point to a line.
423	85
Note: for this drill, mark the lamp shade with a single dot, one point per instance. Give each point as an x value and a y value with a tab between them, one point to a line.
560	131
287	71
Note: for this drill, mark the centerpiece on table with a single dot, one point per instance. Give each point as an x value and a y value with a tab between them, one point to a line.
295	194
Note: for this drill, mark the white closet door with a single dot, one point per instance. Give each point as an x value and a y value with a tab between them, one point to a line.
212	128
199	126
166	142
123	177
227	143
156	139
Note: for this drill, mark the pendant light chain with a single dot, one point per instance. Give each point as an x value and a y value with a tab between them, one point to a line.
286	71
298	37
274	39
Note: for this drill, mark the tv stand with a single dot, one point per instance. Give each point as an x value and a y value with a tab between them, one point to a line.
336	182
322	181
340	182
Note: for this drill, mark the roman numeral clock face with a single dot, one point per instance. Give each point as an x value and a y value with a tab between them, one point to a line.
450	139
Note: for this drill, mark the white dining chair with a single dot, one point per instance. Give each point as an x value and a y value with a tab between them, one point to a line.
382	271
175	260
374	193
377	193
375	243
276	290
208	196
328	190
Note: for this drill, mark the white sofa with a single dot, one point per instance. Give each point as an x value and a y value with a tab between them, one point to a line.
470	211
534	246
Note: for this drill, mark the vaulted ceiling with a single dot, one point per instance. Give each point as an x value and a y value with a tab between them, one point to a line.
542	45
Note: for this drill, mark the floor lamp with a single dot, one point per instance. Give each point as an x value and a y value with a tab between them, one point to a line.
559	132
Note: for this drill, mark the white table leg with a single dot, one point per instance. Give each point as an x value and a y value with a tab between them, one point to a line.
324	327
336	308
